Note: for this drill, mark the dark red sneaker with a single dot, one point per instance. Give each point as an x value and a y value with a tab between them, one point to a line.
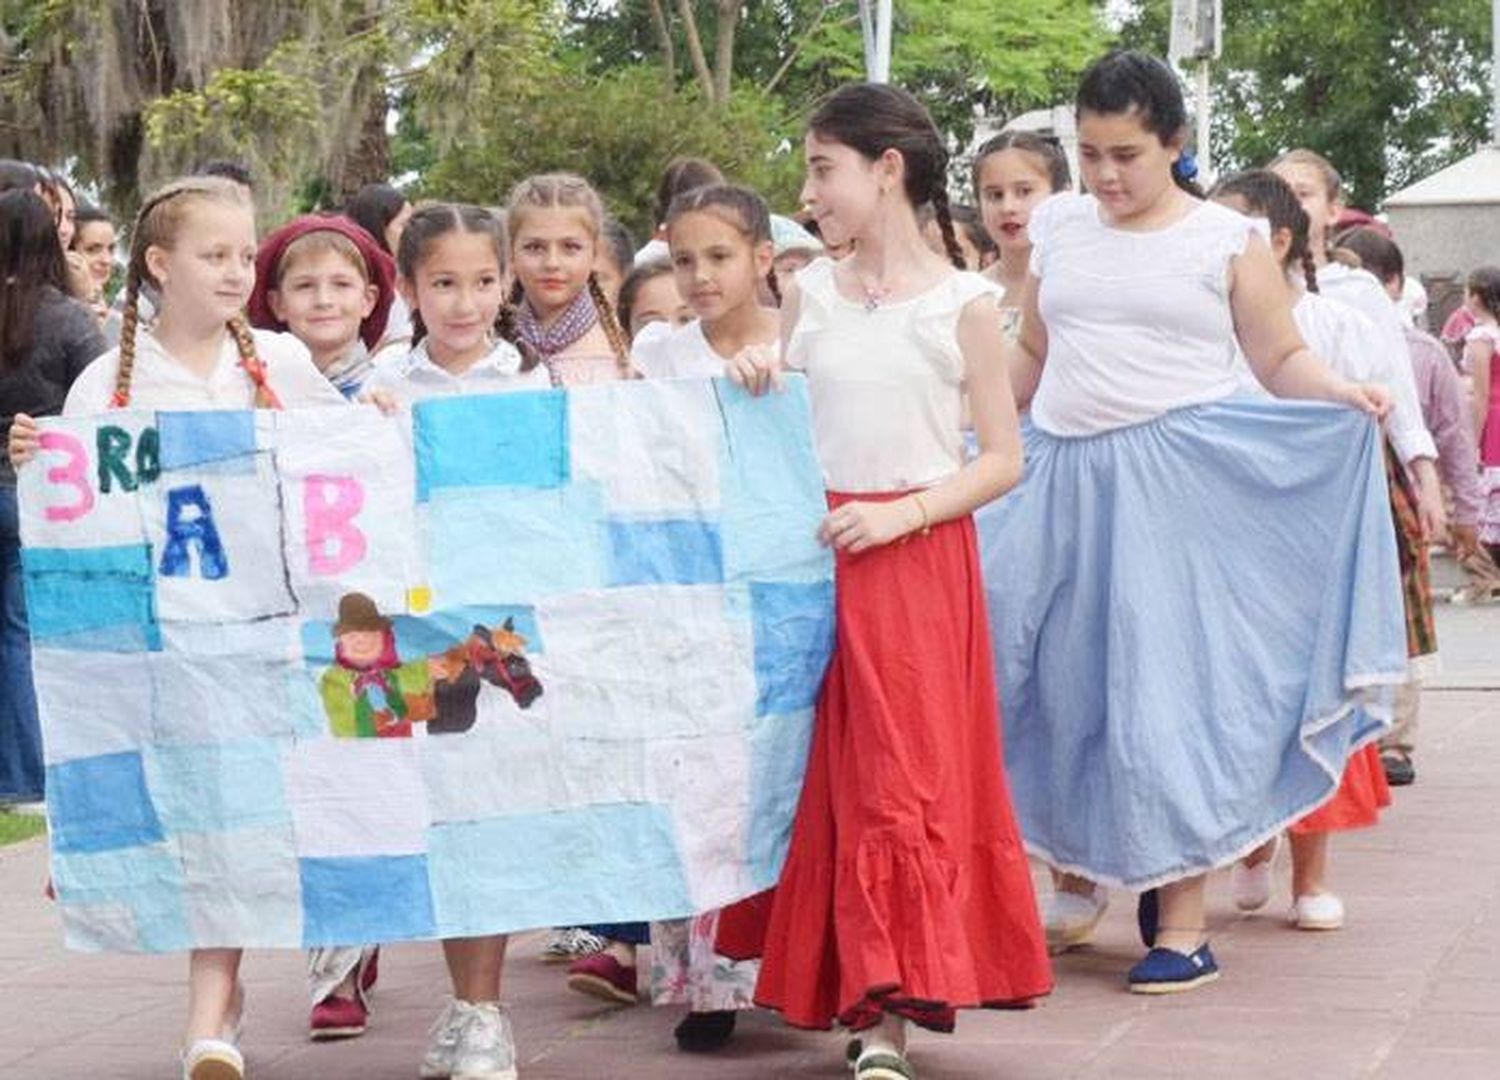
338	1018
602	976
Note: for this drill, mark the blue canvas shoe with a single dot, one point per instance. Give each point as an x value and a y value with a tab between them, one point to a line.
1166	971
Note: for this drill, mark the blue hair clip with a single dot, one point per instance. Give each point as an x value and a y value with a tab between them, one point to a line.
1186	166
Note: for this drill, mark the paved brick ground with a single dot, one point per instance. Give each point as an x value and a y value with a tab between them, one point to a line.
1409	991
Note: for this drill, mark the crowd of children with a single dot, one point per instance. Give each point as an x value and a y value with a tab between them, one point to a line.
1175	595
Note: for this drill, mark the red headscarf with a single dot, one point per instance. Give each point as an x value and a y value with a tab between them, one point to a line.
381	271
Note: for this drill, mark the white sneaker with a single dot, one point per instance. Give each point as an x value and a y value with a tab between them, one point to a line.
1071	917
486	1047
443	1039
1251	885
212	1059
1319	911
569	944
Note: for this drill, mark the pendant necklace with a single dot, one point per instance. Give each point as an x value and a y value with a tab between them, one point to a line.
875	294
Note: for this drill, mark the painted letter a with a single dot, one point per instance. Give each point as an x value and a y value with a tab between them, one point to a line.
190	521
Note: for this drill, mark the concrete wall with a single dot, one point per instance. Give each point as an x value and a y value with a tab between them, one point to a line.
1439	241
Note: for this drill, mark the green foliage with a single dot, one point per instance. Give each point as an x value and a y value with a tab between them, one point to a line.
619	130
266	117
1388	90
963	56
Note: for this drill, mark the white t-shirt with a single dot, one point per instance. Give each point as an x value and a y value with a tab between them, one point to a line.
160	381
663	351
886	384
1360	290
414	377
1138	323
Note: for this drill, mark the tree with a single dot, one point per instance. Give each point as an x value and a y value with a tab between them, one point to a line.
1388	90
133	91
961	56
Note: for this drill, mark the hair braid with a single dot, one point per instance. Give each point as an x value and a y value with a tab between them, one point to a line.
611	325
252	364
1310	269
944	217
774	284
505	326
129	321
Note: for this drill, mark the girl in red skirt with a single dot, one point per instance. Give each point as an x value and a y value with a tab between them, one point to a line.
906	893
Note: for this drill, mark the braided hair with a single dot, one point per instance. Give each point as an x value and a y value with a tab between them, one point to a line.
1264	193
550	191
157	225
872	118
737	206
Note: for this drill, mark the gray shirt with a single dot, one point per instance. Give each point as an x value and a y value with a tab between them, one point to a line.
65	339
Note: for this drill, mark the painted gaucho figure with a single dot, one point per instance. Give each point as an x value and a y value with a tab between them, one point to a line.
369	693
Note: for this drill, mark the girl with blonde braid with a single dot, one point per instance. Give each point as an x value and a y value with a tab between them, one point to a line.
194	243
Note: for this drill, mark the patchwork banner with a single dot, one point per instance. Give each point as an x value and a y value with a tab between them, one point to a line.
324	677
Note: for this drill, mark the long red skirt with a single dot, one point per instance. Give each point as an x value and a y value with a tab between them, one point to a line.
1362	794
906	888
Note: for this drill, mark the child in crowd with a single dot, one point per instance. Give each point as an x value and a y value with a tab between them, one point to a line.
1480	345
1351	345
1013	174
451	266
722	253
1318	187
1445	411
649	295
564	318
1151	781
325	280
47	339
194	244
906	894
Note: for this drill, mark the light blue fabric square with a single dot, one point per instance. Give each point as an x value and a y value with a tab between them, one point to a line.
515	545
772	489
794	628
491	440
73	593
210	787
365	900
136	890
682	552
513	864
202	438
778	756
100	803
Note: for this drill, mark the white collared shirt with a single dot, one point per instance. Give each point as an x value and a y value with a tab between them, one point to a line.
414	377
161	381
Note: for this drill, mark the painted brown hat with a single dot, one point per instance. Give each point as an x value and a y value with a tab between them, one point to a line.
358	613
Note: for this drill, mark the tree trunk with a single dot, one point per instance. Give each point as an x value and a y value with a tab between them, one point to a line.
695	48
729	17
369	159
664	40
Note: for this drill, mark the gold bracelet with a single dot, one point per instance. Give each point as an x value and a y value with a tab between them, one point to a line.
926	526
